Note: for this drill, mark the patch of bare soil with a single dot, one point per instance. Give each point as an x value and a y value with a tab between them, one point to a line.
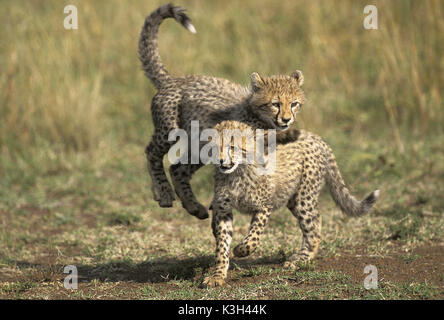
122	281
422	264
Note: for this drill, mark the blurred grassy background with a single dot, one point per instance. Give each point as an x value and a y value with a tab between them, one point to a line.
75	119
65	92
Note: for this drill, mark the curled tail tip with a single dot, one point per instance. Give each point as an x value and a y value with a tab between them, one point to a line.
373	196
190	27
179	14
376	193
368	202
148	48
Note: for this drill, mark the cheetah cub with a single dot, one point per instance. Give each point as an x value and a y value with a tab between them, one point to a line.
269	103
303	163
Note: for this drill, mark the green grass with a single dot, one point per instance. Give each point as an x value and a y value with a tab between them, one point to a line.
402	291
16	289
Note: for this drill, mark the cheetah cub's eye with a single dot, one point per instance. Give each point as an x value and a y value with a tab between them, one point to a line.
296	105
277	105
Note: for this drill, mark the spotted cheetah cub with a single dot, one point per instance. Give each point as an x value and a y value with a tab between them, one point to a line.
303	163
270	102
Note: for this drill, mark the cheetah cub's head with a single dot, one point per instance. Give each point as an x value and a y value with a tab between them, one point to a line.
277	99
237	146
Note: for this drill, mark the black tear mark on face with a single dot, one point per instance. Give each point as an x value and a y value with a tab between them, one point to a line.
277	116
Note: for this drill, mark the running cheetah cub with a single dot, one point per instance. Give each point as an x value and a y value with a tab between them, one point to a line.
303	163
270	102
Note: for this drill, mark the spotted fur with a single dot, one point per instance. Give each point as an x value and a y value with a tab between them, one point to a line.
270	102
304	162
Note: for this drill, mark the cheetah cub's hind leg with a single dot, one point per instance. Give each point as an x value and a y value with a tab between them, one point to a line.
304	207
155	151
161	188
181	175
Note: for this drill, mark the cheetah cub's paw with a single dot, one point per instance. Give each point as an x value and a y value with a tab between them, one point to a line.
296	261
212	282
164	196
241	250
291	265
197	210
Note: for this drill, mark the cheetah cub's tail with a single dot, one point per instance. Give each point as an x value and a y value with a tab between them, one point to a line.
341	195
148	49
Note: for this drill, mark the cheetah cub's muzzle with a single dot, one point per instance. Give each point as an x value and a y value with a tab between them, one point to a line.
227	167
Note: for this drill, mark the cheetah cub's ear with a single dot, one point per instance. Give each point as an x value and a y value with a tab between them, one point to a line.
256	81
299	77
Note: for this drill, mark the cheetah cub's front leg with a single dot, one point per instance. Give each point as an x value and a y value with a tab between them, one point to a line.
251	241
222	225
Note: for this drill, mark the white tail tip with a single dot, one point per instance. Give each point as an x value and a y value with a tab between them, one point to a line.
190	28
376	193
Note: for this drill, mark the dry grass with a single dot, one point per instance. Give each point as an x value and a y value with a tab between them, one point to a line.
74	120
74	89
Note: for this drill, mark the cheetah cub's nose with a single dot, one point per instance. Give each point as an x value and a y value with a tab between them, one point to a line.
286	120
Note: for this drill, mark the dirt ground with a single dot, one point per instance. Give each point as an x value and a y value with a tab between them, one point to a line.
421	265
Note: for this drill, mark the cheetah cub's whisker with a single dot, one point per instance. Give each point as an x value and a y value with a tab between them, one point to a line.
304	163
